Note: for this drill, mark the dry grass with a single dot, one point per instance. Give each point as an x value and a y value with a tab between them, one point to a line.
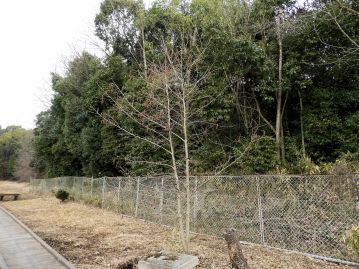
93	238
14	187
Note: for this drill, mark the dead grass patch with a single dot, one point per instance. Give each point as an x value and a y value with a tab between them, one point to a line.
94	238
14	187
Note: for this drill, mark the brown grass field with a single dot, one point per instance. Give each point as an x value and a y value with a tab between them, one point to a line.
94	238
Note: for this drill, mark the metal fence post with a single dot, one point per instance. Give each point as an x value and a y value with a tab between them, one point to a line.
43	186
195	203
137	196
161	201
82	188
356	182
91	186
103	192
260	210
118	195
73	185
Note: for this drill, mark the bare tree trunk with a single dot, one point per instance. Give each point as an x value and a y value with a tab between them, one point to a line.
301	123
282	147
235	252
175	173
261	116
144	51
187	172
279	95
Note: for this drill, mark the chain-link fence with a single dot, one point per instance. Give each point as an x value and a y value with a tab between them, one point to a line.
304	213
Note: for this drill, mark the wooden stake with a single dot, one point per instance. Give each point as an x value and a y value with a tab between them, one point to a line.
235	252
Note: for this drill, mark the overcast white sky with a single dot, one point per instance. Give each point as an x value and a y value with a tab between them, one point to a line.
36	36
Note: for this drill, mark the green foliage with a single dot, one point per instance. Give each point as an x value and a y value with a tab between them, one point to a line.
258	155
304	165
331	126
233	112
115	25
62	195
69	138
10	145
347	163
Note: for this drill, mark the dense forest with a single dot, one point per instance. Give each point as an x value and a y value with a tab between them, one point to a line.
16	152
215	87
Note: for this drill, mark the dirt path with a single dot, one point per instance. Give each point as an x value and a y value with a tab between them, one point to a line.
93	238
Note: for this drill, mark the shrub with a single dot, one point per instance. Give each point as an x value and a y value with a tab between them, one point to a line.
258	155
62	195
95	201
346	164
304	165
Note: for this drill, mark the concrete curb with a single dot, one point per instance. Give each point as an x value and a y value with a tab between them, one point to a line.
54	253
3	264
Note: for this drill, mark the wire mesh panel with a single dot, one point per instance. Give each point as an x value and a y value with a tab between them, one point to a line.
303	213
309	213
224	202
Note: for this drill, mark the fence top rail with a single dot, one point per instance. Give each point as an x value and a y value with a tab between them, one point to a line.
243	175
352	176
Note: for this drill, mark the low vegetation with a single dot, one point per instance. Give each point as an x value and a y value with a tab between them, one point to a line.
62	195
351	239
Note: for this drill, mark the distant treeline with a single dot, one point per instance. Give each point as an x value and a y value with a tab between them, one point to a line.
271	87
15	153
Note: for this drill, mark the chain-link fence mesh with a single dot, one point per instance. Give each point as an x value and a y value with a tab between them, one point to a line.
304	213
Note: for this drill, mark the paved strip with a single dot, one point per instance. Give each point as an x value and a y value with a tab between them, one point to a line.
3	264
20	248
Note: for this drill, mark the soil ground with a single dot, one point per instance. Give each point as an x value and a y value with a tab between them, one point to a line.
94	238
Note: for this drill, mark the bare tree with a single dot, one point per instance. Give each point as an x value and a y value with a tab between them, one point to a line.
164	114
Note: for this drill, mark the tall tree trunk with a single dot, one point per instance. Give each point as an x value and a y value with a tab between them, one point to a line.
175	173
282	147
278	125
279	94
301	123
144	50
187	172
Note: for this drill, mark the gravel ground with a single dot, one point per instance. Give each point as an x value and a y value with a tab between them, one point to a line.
94	238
